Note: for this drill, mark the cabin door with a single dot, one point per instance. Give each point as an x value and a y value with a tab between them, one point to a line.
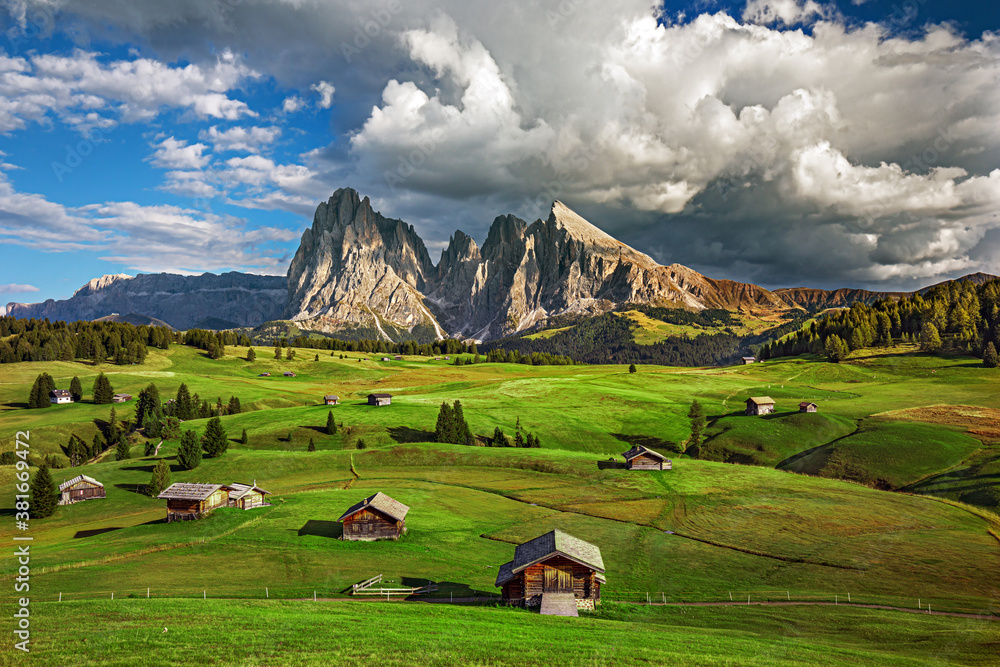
558	579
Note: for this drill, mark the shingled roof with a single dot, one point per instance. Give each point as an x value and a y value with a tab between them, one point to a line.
761	400
77	479
553	543
240	490
638	450
190	491
381	503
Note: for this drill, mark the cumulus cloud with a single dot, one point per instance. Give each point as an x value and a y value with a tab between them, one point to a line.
17	288
787	12
325	90
245	139
173	153
292	104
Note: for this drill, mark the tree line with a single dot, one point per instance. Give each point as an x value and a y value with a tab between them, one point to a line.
42	340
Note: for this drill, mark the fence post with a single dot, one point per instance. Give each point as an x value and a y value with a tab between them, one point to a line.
266	593
147	592
836	599
748	600
112	595
730	596
848	597
788	595
314	596
204	595
60	596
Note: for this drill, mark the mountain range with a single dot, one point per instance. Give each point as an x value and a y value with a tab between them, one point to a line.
360	274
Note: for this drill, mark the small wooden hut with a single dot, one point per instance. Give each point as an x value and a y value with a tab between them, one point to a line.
330	399
398	358
759	405
121	398
553	564
59	396
377	517
805	406
192	501
289	374
644	458
379	399
80	488
247	496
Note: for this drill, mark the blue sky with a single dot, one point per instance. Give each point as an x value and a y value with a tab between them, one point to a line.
782	142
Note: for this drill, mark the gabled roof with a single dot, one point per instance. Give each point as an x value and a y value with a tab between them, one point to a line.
381	503
750	358
380	395
550	544
77	479
190	491
639	450
805	404
240	490
59	393
331	396
761	400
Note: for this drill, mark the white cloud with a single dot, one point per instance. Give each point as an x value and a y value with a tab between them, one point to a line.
246	139
787	12
325	91
173	153
17	288
292	104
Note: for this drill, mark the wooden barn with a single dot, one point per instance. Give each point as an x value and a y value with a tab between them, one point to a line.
191	501
80	488
398	358
60	396
379	399
759	405
330	399
746	361
553	571
377	517
805	406
121	398
247	496
289	374
644	458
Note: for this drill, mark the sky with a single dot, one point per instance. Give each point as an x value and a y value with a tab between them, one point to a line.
850	143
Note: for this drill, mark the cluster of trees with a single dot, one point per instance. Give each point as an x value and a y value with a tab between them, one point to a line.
521	439
44	384
956	317
452	427
191	406
214	342
448	346
213	444
710	317
41	340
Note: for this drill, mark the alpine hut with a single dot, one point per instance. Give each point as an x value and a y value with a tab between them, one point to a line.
331	399
644	458
806	406
746	361
553	570
759	405
121	398
186	500
379	399
377	517
247	496
60	396
80	488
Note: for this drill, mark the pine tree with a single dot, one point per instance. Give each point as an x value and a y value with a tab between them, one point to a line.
312	446
243	438
884	338
43	494
189	453
317	358
519	439
331	423
76	389
498	439
214	441
277	351
234	406
76	450
114	427
361	444
990	359
460	428
160	479
251	355
930	339
289	354
149	411
445	423
836	349
40	390
697	416
183	403
631	368
122	448
97	445
103	391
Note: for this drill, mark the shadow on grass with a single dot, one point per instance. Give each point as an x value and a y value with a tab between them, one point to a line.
648	441
134	488
611	464
16	405
322	528
95	531
319	429
406	435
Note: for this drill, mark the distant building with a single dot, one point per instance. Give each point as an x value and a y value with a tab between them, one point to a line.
398	358
263	375
379	399
808	407
247	496
60	396
121	398
644	458
385	358
80	488
759	405
330	399
377	517
192	501
749	360
289	374
552	570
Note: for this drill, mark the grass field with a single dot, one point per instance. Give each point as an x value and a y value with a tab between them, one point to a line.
702	531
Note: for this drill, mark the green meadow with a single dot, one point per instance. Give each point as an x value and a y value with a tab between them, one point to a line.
862	499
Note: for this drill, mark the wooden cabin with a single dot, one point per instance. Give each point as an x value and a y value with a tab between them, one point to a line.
377	517
247	496
60	396
805	406
644	458
121	398
398	358
759	405
385	358
80	488
289	374
192	501
263	375
553	563
746	361
330	399
379	399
